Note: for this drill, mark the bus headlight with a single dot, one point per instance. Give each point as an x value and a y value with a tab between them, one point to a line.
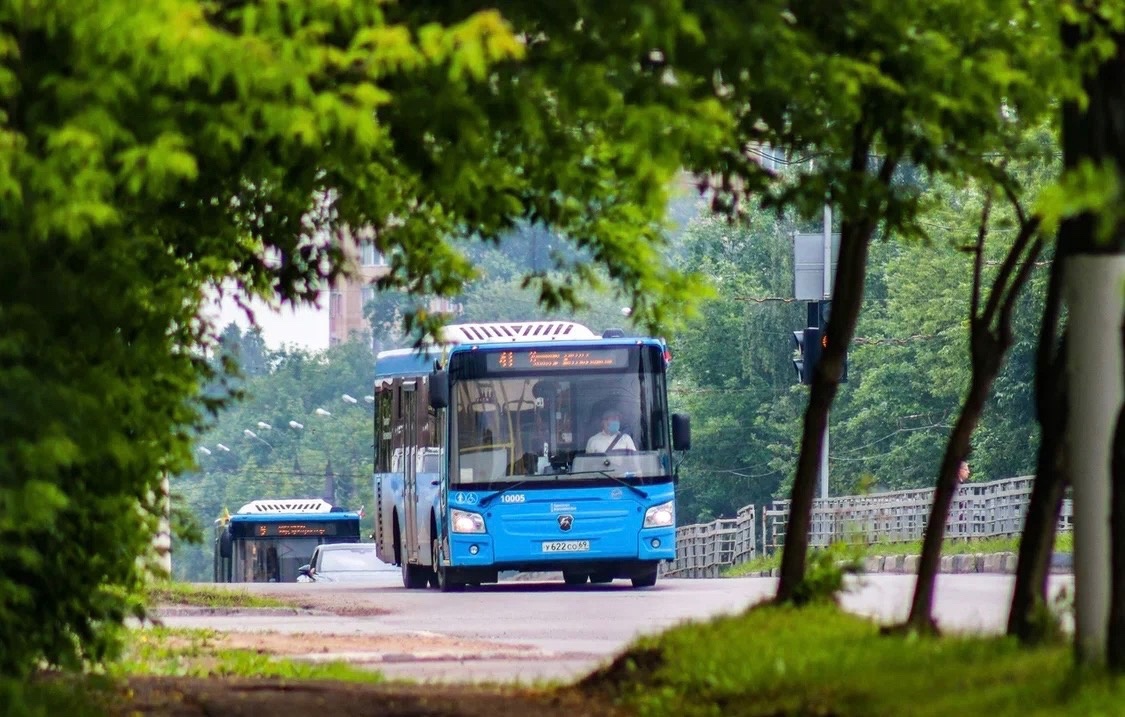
462	521
661	515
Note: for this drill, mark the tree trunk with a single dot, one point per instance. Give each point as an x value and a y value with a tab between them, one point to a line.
846	303
990	337
851	271
1094	375
956	450
1094	134
1038	539
1115	649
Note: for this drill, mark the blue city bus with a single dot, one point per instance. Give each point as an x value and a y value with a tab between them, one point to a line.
532	446
268	540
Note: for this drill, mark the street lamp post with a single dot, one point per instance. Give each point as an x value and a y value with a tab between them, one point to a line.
250	434
299	428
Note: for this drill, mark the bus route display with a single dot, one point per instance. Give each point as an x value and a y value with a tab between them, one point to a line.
557	359
294	530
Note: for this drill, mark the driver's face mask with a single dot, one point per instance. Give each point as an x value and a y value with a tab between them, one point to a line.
614	426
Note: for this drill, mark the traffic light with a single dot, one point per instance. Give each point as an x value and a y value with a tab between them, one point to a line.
824	347
812	342
809	343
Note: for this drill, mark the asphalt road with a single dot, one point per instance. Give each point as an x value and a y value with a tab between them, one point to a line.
527	631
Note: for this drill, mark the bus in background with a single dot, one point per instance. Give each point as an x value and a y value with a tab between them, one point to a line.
531	446
268	540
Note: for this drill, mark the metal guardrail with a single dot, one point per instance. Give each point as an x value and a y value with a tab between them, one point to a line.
979	510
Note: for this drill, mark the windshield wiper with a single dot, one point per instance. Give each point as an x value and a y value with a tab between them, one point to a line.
484	502
608	474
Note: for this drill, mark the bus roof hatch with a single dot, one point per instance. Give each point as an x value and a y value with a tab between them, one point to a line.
288	505
517	332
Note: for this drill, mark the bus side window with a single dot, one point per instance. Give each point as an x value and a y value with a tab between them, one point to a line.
383	429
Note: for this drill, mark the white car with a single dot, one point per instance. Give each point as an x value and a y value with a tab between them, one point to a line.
347	562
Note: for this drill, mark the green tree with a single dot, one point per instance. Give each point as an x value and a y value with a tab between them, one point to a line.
866	89
731	367
154	152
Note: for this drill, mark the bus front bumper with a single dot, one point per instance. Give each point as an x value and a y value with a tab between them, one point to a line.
485	550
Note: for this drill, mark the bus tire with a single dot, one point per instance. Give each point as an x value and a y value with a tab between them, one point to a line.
444	584
646	579
413	576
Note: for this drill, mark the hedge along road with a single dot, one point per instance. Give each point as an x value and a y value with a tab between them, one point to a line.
526	631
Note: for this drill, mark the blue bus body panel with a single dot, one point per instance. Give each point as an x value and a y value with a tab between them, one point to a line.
338	526
412	364
605	524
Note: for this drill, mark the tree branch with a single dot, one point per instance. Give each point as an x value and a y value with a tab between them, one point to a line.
1000	287
978	256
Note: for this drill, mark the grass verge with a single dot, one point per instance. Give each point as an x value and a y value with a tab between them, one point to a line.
173	593
820	661
177	652
167	653
50	694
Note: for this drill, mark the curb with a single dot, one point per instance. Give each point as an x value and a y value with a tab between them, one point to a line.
968	563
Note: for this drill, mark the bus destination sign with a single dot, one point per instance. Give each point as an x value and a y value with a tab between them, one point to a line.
295	530
558	359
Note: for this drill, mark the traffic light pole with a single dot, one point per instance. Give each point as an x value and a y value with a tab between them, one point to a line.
824	461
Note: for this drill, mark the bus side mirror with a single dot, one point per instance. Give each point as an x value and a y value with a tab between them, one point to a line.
439	389
225	544
681	432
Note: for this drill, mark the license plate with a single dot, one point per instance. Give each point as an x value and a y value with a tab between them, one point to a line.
566	546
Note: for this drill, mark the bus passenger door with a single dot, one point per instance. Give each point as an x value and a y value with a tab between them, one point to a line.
410	473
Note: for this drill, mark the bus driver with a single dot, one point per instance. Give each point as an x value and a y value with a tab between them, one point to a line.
610	438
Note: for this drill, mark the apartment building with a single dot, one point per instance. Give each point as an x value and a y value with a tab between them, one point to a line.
349	295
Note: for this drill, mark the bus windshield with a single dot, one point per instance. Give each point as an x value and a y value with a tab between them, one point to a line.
527	414
271	560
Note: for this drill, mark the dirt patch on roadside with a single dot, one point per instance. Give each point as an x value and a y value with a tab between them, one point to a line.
294	644
194	697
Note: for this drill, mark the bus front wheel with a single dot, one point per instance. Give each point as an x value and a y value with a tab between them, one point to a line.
646	579
444	583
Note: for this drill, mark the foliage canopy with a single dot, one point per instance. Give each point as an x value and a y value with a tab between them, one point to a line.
154	152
